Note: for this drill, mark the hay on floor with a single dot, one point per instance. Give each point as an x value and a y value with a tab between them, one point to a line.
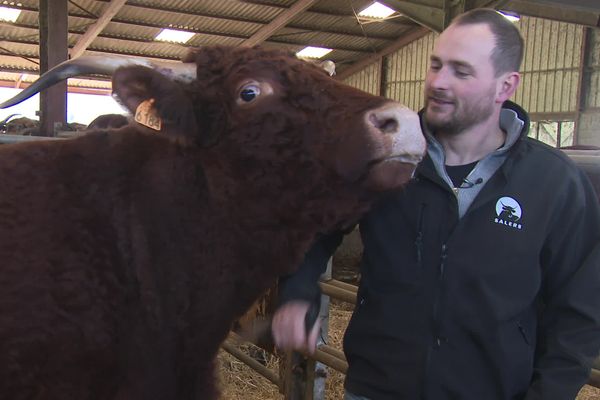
240	382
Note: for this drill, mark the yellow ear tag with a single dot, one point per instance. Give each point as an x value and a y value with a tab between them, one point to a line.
146	115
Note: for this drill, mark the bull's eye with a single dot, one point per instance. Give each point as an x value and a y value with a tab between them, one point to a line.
249	93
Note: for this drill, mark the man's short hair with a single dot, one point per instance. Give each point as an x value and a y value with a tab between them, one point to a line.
508	52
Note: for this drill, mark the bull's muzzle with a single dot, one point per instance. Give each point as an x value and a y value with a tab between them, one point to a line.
402	128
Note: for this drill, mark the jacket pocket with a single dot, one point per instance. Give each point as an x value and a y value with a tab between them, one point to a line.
518	347
525	334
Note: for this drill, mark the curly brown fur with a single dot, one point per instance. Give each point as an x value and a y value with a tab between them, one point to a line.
126	254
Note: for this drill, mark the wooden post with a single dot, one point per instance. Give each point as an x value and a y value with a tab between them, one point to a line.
383	78
302	377
584	81
293	376
53	51
318	370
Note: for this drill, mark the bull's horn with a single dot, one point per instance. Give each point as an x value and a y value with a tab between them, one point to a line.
5	120
100	65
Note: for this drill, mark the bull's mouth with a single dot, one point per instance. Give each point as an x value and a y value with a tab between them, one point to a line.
392	172
403	158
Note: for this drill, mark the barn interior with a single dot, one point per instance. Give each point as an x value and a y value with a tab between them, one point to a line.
386	55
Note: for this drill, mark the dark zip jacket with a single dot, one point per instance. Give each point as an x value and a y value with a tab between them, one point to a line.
497	297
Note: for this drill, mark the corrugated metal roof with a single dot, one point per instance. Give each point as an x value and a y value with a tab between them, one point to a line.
13	63
326	23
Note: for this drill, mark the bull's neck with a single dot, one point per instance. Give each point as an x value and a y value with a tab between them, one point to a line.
277	215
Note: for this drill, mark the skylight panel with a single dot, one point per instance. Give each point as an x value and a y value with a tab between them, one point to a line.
313	52
9	14
376	10
172	35
512	17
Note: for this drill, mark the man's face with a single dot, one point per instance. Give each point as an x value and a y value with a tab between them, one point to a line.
460	87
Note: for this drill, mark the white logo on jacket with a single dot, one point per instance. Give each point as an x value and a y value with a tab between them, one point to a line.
508	212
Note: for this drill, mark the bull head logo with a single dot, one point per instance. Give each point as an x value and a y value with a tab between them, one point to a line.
508	213
508	209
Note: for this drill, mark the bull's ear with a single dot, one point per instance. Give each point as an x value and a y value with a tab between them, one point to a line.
328	66
156	102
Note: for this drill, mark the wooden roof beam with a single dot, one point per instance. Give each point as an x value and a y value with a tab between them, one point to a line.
354	49
280	21
94	30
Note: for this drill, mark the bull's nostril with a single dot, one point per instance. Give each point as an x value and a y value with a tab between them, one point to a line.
385	124
389	126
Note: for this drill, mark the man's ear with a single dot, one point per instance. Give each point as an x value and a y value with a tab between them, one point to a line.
507	85
156	102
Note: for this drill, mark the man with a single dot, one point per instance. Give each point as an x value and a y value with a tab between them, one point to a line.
481	279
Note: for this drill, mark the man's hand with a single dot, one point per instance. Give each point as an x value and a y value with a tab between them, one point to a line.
289	330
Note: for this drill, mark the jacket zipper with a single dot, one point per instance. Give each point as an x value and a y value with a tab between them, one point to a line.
436	305
437	340
442	261
438	295
435	319
419	238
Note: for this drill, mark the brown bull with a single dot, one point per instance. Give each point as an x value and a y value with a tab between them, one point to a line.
22	126
125	255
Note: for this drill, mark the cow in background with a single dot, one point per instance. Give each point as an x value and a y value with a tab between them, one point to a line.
30	127
126	254
22	126
75	126
108	121
4	122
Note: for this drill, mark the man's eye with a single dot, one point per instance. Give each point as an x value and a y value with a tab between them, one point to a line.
435	67
249	93
462	74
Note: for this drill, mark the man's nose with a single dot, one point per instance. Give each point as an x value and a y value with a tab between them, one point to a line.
439	79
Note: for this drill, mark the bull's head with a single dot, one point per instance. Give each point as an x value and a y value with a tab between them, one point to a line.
271	109
281	112
508	209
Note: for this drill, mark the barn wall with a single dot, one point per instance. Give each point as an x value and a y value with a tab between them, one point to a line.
589	122
589	128
593	66
367	80
550	70
550	76
405	72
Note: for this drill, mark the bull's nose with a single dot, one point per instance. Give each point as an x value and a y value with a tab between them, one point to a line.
402	128
385	120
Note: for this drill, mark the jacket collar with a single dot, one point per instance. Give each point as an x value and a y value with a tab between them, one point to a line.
513	120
